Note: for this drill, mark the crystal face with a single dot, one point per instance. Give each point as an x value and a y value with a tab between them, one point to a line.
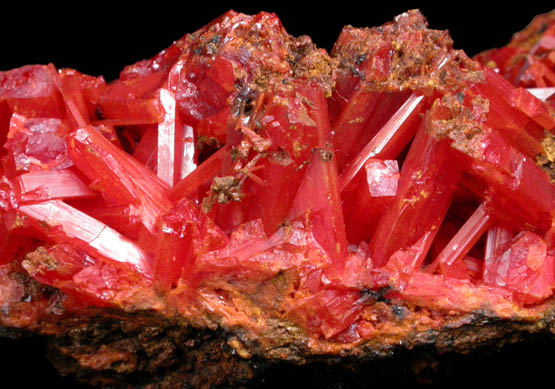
248	175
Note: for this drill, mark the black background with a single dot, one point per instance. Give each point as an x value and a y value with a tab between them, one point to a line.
97	39
101	38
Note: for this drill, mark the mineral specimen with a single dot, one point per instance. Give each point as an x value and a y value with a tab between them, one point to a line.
246	190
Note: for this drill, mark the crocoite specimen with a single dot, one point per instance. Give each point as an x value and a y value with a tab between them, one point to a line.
529	58
246	179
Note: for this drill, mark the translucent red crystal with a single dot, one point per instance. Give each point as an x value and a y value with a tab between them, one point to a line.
451	259
61	223
528	59
426	186
118	177
244	168
522	266
368	196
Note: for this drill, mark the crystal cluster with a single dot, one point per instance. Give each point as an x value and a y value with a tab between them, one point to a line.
243	176
528	60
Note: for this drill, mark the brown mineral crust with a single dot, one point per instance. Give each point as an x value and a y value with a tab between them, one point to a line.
255	313
112	347
547	160
262	45
138	348
422	59
462	124
458	123
265	55
109	347
126	350
533	31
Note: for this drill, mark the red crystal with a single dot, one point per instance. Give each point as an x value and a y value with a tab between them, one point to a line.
529	58
120	180
521	190
184	234
368	196
455	251
244	176
62	223
426	186
31	91
174	161
523	267
35	144
390	140
50	185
